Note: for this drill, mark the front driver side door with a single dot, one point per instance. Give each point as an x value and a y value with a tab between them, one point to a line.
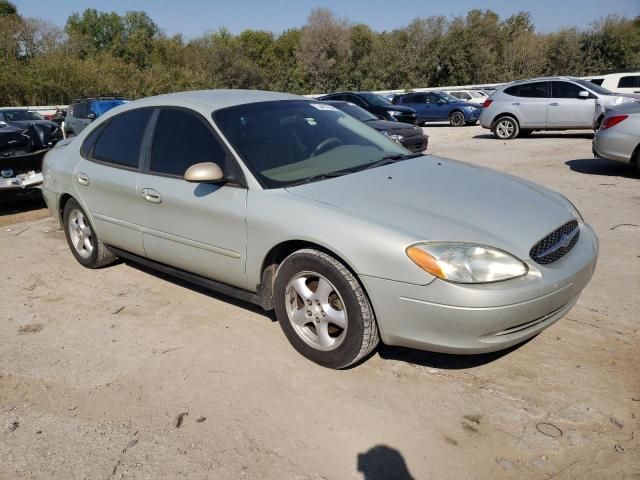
197	227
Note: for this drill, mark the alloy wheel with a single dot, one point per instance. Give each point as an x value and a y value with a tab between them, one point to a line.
80	233
505	129
316	311
457	119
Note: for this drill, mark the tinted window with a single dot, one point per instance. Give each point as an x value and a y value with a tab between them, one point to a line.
597	81
565	90
529	90
182	139
121	138
355	99
90	141
431	98
630	81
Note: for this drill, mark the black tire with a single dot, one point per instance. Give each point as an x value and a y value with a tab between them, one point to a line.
360	335
525	133
99	255
456	119
506	128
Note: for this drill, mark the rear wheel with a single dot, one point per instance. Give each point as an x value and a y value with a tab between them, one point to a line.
83	241
506	128
456	119
323	310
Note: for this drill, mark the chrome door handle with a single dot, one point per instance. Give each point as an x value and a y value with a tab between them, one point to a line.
83	178
150	195
554	104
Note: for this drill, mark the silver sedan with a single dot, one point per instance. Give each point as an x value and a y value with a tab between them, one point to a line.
291	204
619	135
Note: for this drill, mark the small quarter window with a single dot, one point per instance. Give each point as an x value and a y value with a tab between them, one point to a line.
120	140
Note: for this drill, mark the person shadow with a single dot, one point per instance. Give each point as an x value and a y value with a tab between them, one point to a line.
383	463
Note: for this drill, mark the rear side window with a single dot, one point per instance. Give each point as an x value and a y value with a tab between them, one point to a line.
120	140
630	81
565	90
90	141
182	139
597	81
529	90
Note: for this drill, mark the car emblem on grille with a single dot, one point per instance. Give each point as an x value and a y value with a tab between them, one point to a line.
7	173
563	242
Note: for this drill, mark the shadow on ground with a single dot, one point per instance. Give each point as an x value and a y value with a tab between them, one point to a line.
202	290
603	167
445	361
383	463
538	135
13	203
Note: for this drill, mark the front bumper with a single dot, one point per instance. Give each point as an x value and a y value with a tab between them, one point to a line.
472	115
469	319
21	181
416	143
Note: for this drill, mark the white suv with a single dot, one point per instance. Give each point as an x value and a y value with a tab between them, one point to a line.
554	103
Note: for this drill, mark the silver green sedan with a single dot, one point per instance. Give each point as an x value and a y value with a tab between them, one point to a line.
293	205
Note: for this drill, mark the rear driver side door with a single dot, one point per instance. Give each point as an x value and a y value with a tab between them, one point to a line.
197	227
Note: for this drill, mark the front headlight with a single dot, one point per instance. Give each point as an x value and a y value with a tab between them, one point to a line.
397	138
395	113
466	262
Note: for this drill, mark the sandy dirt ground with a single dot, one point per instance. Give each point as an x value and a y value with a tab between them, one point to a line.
125	373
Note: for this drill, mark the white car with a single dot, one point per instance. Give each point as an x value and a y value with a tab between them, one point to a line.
624	82
473	96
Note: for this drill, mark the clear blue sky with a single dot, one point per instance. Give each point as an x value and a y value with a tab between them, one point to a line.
194	17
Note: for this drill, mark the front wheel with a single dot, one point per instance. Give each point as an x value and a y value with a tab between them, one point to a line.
323	310
85	245
506	128
456	119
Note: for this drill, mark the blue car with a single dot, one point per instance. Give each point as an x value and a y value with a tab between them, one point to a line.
440	106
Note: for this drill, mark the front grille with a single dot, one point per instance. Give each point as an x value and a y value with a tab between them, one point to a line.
557	244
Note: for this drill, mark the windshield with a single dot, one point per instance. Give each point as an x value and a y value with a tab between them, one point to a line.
21	115
375	99
355	111
286	142
593	87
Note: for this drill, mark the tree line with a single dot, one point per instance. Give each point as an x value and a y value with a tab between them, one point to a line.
129	55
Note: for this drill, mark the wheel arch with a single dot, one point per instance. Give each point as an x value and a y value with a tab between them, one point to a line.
62	201
504	114
282	250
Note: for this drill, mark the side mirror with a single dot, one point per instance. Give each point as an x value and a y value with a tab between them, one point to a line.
91	116
583	94
204	172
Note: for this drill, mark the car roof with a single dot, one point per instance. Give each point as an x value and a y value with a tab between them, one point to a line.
212	99
542	79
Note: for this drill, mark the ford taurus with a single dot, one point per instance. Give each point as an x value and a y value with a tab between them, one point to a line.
291	204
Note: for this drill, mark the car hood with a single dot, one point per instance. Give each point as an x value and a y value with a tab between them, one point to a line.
395	128
431	198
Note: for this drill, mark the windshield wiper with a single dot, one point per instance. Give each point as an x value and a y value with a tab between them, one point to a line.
387	159
315	178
